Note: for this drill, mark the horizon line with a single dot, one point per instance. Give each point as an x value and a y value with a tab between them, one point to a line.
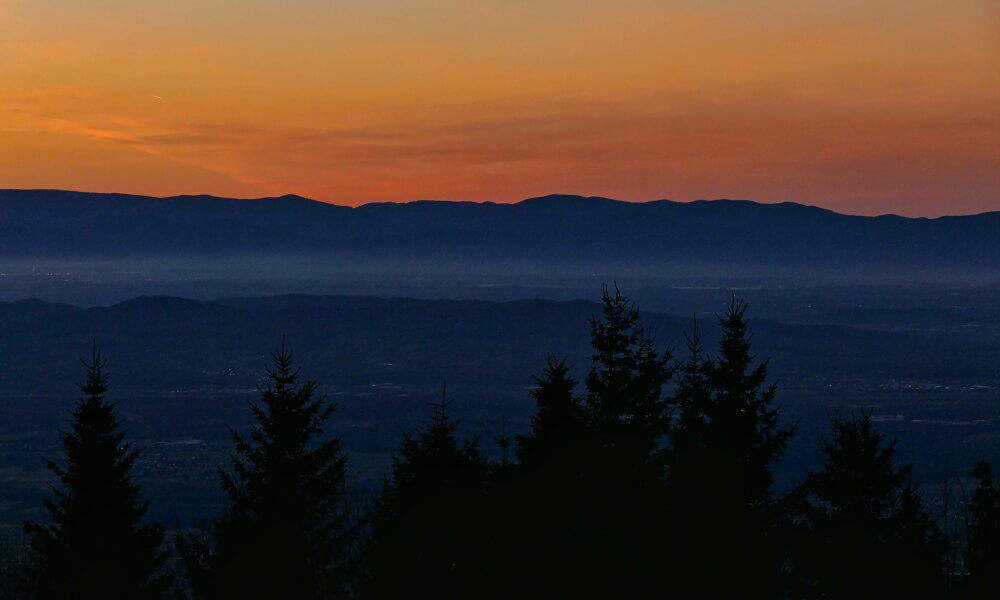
506	202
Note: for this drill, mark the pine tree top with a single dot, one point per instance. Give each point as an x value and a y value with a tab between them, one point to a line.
96	544
287	514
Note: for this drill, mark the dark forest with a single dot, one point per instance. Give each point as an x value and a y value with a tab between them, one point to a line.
652	476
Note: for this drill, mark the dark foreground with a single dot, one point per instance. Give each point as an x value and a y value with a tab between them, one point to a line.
646	473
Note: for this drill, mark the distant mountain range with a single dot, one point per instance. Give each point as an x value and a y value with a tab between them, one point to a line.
574	229
165	342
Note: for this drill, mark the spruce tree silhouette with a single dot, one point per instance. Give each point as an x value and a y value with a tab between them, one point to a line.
428	530
625	383
982	556
590	482
553	492
96	545
628	419
502	547
286	531
559	423
722	450
866	532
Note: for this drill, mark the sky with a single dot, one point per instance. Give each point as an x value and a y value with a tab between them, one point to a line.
861	106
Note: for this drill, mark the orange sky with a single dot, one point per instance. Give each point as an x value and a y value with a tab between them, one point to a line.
863	106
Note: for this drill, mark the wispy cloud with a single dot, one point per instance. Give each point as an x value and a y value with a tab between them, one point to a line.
832	102
507	156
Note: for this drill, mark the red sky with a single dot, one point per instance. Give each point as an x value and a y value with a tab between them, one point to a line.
863	107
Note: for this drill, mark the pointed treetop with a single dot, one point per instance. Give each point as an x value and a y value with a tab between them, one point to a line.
97	382
441	407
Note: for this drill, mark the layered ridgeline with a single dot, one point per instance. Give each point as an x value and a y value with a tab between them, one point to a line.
557	229
174	343
385	358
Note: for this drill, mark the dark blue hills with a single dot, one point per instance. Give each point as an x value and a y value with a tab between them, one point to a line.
167	341
60	224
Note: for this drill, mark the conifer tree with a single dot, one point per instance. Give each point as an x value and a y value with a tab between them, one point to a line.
590	471
286	530
429	534
554	502
691	398
628	418
982	556
722	450
96	545
625	383
558	426
867	533
503	550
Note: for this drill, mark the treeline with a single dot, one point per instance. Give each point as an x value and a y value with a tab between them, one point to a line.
653	477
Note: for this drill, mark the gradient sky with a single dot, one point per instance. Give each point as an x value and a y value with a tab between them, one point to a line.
862	106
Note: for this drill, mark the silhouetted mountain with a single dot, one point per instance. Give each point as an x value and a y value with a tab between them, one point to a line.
568	229
163	342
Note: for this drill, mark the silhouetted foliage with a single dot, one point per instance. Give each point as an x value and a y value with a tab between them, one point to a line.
629	419
429	532
982	556
619	490
559	424
866	531
625	386
591	479
723	448
286	531
14	569
553	547
96	545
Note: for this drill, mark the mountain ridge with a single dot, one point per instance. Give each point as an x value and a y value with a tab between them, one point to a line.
545	199
553	231
183	337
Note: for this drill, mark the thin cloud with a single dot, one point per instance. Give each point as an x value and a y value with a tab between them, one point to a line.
645	154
